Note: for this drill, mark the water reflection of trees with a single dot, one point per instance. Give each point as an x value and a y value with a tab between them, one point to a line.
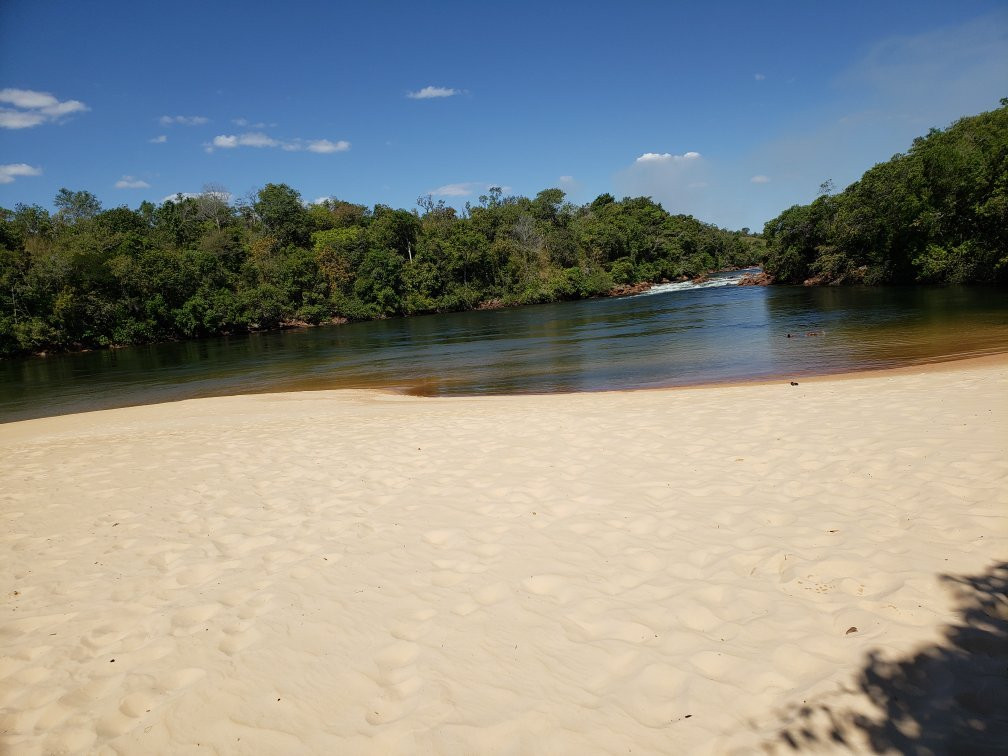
869	327
951	697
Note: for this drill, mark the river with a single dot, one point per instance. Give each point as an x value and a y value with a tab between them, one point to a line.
677	334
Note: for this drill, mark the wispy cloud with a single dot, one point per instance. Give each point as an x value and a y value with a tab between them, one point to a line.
161	139
759	179
959	68
667	157
245	123
180	120
251	139
324	146
129	182
759	76
430	93
13	170
31	108
260	140
465	189
894	92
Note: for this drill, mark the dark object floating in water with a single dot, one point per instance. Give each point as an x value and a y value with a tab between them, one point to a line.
794	383
850	630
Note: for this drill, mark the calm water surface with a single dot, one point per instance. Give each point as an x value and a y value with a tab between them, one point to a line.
675	336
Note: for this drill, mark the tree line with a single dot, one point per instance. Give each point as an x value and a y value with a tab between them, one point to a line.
936	214
84	276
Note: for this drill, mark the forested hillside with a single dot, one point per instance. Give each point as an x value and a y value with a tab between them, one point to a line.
937	214
195	266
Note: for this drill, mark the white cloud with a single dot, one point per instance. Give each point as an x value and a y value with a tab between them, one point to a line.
681	183
161	139
253	139
27	98
129	182
457	190
325	146
175	197
245	123
465	189
429	93
759	179
17	119
666	157
32	108
43	102
759	76
259	140
224	142
180	120
566	179
12	170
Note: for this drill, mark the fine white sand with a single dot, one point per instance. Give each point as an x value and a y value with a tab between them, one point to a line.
357	572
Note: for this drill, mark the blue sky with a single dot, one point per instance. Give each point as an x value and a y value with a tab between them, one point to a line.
728	111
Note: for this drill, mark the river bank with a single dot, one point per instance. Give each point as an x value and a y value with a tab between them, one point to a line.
363	572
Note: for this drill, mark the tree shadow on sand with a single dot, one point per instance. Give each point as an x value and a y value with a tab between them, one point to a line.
948	698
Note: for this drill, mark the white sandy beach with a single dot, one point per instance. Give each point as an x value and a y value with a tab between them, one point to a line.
672	571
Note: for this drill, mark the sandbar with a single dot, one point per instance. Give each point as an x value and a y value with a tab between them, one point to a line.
731	569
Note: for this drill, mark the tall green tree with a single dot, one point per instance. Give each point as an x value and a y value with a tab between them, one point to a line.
282	214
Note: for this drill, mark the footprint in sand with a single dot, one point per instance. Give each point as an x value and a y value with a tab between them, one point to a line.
71	740
413	627
492	594
104	637
194	576
553	586
238	638
398	681
179	679
255	606
443	538
591	631
658	695
193	617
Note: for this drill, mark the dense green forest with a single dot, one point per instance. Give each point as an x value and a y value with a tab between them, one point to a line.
195	266
937	214
83	276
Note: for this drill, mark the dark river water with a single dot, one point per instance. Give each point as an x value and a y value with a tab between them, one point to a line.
676	335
